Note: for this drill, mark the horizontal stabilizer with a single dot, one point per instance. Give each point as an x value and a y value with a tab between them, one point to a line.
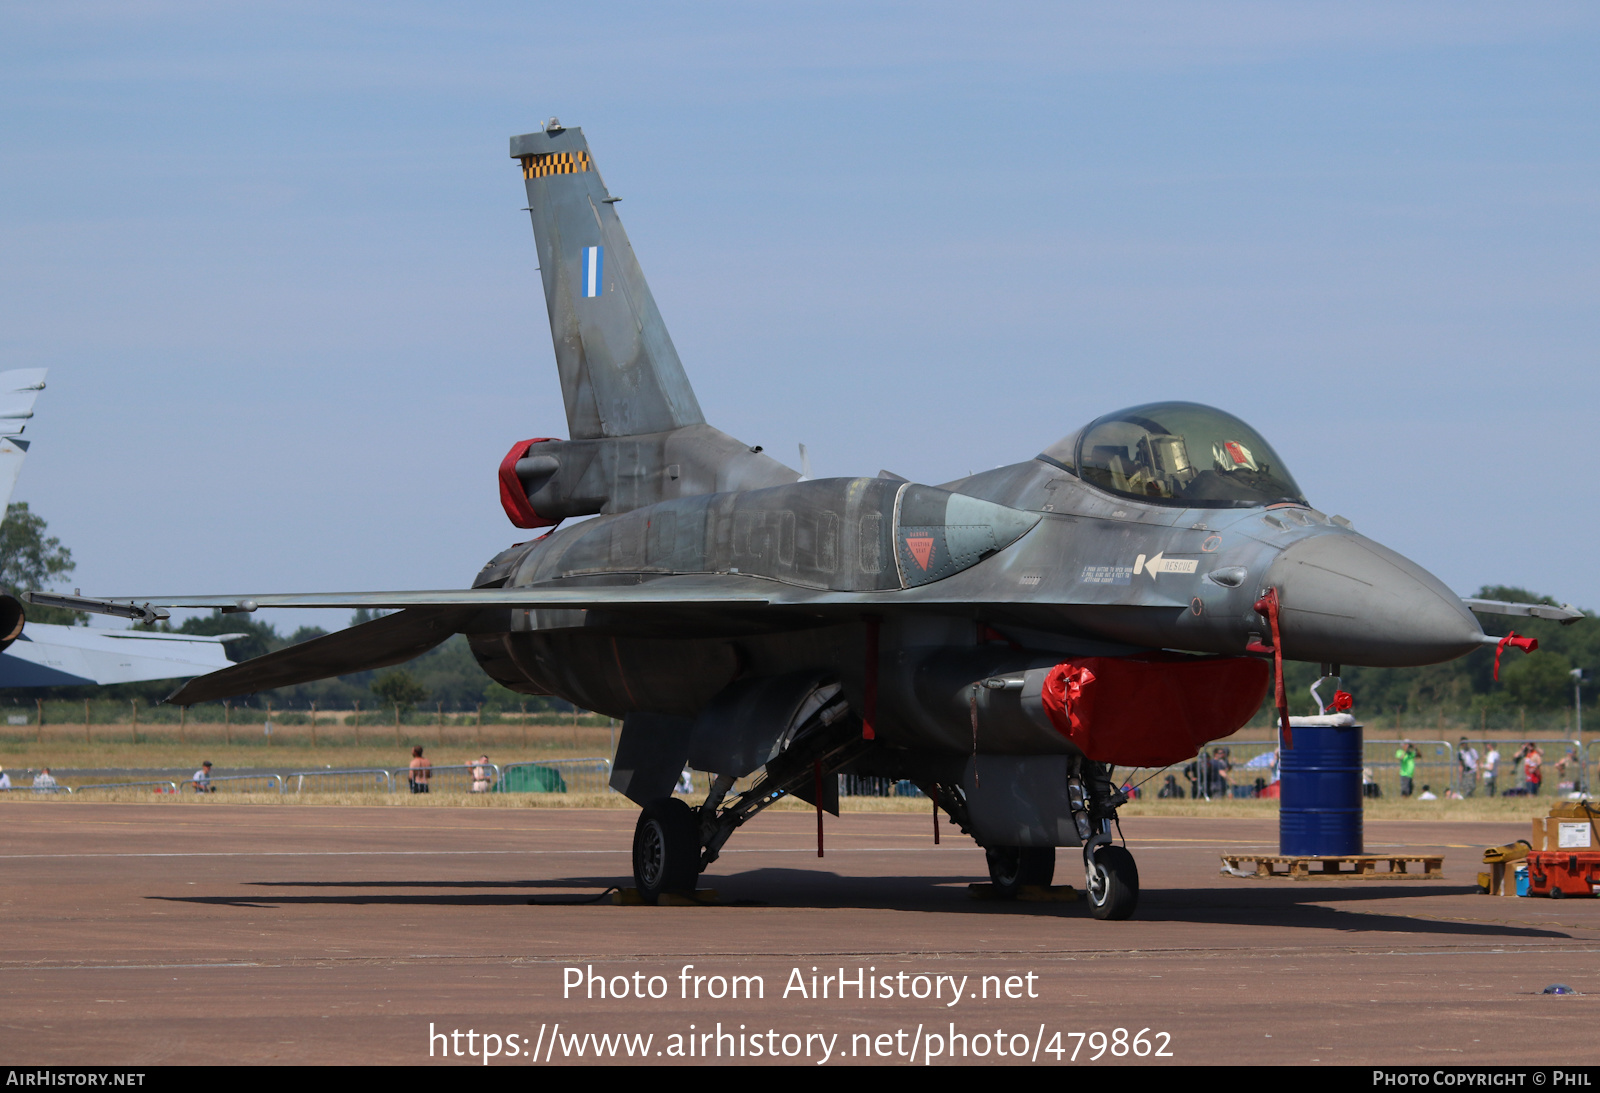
392	639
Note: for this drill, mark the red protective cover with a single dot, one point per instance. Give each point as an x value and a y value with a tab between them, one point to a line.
1150	712
512	497
1572	872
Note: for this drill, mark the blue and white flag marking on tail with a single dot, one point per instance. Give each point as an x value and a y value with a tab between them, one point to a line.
593	258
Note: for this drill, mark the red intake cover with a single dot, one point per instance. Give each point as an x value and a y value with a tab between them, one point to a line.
1152	712
513	498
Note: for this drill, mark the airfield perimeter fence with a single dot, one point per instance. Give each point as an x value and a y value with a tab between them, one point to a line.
1250	769
585	775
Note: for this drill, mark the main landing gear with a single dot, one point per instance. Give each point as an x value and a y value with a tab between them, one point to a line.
1012	868
666	849
673	841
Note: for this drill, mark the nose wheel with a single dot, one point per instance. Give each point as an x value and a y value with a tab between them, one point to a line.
666	849
1112	879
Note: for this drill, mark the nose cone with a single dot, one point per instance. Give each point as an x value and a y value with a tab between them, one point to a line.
1345	599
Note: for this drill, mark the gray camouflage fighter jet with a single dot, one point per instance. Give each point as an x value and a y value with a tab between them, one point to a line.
1002	641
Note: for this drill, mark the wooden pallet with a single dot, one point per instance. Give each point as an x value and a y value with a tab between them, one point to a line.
1343	867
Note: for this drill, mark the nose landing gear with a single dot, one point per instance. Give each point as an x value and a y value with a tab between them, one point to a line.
1110	875
1112	880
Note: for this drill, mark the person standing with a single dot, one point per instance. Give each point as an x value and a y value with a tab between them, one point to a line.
1489	766
43	782
1221	774
5	780
1569	762
1467	759
421	771
1532	768
482	775
1408	766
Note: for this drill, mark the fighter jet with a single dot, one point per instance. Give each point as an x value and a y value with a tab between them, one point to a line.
1003	641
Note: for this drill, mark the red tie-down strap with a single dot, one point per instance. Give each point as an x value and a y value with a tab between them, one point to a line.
1527	645
1342	701
513	497
1268	605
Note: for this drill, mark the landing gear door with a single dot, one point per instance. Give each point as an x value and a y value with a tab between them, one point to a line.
650	756
1020	800
753	721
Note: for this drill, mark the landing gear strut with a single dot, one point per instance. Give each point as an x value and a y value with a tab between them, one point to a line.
1110	875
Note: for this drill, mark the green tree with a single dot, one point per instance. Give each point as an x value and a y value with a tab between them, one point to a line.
1541	681
31	560
397	688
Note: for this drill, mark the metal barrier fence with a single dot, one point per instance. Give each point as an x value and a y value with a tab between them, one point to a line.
1250	768
269	783
172	787
338	781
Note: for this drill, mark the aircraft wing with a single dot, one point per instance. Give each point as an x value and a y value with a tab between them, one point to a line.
687	591
425	619
392	639
68	656
649	594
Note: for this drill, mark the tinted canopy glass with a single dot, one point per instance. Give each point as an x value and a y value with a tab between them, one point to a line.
1182	453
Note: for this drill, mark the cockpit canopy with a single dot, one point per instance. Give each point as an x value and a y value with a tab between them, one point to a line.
1178	453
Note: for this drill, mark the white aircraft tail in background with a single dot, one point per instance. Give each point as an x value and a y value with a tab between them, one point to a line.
18	389
44	655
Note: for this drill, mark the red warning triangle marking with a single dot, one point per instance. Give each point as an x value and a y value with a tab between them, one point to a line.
921	548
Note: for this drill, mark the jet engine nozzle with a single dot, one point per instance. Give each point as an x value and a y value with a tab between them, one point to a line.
12	618
1345	599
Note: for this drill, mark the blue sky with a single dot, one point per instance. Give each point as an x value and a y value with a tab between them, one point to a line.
274	257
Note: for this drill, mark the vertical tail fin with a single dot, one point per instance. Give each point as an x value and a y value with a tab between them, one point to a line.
18	389
620	375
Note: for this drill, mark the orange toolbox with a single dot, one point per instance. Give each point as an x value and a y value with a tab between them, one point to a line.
1558	873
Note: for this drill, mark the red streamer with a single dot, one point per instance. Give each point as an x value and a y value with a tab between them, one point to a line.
1527	645
1268	605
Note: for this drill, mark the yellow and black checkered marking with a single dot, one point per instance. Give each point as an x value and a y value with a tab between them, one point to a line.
554	163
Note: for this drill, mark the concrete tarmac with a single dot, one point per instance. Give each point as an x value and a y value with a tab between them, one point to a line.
216	934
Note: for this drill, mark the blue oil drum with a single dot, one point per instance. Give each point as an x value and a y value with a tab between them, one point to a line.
1319	811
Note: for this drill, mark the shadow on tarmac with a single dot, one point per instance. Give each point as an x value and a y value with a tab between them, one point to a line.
1320	906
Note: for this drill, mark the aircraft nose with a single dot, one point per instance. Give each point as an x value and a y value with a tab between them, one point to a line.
1345	599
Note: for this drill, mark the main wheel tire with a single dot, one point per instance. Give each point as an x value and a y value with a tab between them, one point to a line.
1113	881
1011	867
666	849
